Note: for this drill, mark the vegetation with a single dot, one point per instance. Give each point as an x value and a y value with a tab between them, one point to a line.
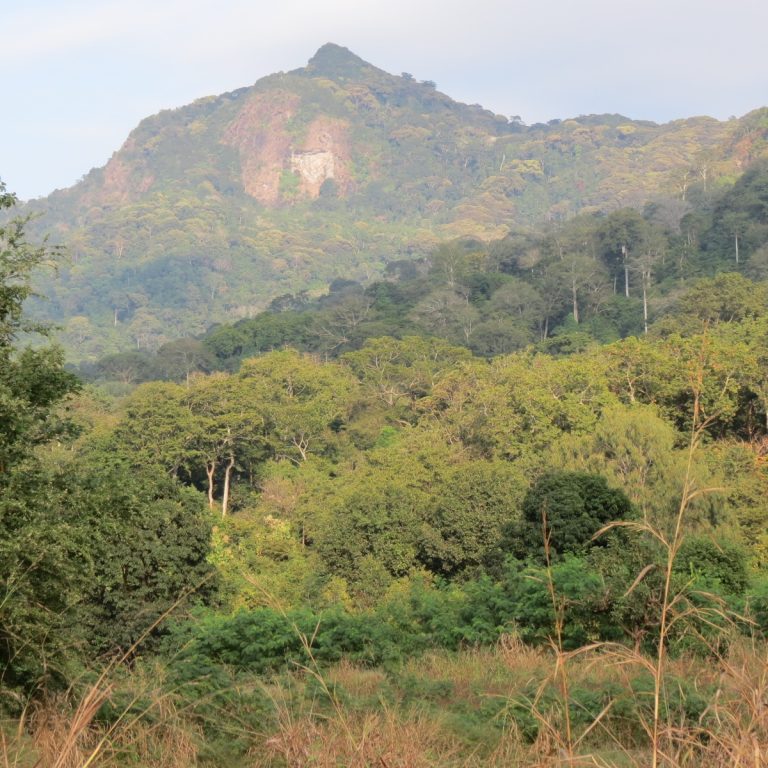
505	506
562	291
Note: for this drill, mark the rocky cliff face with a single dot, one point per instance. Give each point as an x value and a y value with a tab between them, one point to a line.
324	154
263	144
268	150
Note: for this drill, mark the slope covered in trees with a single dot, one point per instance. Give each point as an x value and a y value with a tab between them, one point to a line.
593	279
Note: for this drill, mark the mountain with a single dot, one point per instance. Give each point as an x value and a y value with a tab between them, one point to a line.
209	211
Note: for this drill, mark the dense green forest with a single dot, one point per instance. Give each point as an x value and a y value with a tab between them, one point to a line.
507	506
591	280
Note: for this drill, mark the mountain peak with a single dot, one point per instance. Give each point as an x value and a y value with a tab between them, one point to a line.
333	60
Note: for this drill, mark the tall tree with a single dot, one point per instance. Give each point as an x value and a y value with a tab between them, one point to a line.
620	236
38	573
301	401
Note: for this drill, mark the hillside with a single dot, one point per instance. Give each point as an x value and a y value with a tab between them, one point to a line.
208	212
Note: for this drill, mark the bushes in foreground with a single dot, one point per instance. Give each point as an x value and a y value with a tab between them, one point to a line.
593	601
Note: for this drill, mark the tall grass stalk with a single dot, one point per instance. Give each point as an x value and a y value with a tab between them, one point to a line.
673	606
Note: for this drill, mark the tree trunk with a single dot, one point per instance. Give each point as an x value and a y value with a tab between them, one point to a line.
645	305
302	445
575	301
626	270
736	245
210	470
227	476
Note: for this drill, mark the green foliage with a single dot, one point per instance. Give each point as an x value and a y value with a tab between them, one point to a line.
582	601
378	523
567	509
720	565
757	605
302	403
740	217
18	258
258	641
150	539
32	384
44	563
92	553
41	549
467	514
619	709
402	371
729	297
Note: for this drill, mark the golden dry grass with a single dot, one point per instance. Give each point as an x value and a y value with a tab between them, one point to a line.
64	731
370	722
382	738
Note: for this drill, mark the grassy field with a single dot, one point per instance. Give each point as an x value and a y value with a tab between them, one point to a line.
493	707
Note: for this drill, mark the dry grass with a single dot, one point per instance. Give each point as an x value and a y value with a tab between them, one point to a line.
64	731
359	730
381	738
369	722
491	670
358	682
739	737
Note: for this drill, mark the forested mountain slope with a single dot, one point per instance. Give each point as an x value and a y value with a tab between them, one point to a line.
561	289
209	211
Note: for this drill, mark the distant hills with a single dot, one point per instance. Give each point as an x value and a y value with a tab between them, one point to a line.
210	211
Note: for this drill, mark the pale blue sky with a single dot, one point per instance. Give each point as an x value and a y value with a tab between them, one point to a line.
78	75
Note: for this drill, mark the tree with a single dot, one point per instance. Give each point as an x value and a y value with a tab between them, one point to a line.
149	543
620	236
740	218
178	360
225	421
373	536
645	261
302	402
519	302
130	367
466	514
92	551
32	382
573	258
156	430
566	510
726	298
38	573
396	370
636	450
446	314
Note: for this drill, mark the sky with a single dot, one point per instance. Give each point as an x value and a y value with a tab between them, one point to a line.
78	75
